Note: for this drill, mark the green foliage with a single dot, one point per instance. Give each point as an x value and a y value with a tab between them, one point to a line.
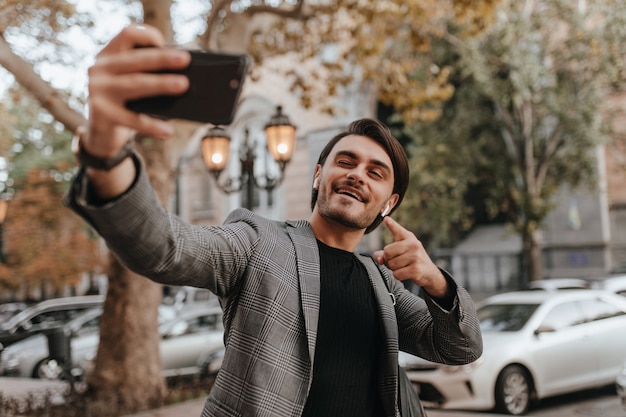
38	141
450	159
525	119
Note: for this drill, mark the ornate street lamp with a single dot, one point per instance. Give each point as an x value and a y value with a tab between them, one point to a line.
280	136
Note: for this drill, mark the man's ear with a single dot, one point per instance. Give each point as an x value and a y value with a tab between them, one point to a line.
391	203
386	210
316	176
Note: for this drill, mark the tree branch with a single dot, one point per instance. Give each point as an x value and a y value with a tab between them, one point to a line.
293	13
44	93
296	12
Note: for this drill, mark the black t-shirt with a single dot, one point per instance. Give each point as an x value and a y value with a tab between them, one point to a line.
345	370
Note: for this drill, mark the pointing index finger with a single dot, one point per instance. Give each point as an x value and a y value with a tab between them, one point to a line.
398	232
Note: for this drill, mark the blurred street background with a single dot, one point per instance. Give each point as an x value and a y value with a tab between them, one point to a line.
512	112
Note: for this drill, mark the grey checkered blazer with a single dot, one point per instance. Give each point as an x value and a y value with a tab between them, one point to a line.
266	274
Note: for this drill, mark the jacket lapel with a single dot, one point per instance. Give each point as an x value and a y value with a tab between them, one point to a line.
308	264
386	309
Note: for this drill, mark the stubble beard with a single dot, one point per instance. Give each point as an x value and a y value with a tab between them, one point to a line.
342	216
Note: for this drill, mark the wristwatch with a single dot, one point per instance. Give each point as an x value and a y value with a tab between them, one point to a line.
105	164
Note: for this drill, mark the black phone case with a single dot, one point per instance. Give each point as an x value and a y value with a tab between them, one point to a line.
215	83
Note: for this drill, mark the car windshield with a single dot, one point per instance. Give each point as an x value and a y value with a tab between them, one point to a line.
505	317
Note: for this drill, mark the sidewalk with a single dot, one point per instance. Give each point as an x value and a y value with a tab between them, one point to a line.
21	387
603	406
610	408
193	408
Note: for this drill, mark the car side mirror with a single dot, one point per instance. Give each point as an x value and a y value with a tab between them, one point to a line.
544	329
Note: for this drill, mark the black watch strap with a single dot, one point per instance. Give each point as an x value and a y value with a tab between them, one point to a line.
106	164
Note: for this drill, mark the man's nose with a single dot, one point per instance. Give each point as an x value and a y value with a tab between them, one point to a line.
357	174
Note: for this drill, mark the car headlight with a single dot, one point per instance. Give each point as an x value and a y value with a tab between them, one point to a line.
468	368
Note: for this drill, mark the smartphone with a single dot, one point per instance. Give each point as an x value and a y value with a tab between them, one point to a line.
215	83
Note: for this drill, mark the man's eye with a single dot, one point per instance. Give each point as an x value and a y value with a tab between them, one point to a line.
344	162
377	174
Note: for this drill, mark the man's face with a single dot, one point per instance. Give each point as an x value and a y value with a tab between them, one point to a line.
355	182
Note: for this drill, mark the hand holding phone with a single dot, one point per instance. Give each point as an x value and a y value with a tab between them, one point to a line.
215	83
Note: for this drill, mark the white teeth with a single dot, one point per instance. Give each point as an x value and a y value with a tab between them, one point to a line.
355	196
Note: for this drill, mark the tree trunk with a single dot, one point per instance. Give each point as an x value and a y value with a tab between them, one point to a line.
128	365
532	269
127	374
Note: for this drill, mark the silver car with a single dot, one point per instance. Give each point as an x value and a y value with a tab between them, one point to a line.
30	357
188	338
536	344
184	340
45	315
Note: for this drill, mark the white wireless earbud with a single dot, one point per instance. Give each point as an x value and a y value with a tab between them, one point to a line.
316	182
385	211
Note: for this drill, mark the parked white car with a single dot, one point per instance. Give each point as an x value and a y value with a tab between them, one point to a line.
536	344
615	284
559	284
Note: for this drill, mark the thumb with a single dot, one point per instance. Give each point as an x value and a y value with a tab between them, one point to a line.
379	257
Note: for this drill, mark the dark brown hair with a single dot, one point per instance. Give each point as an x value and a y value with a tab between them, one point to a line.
380	133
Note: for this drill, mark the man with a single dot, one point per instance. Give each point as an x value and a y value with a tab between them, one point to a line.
308	330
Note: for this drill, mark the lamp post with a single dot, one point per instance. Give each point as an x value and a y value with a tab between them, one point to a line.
280	137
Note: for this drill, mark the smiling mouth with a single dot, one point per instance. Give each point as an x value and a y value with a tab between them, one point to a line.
350	193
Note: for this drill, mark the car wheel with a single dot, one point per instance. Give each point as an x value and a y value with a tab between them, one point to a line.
48	368
513	391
